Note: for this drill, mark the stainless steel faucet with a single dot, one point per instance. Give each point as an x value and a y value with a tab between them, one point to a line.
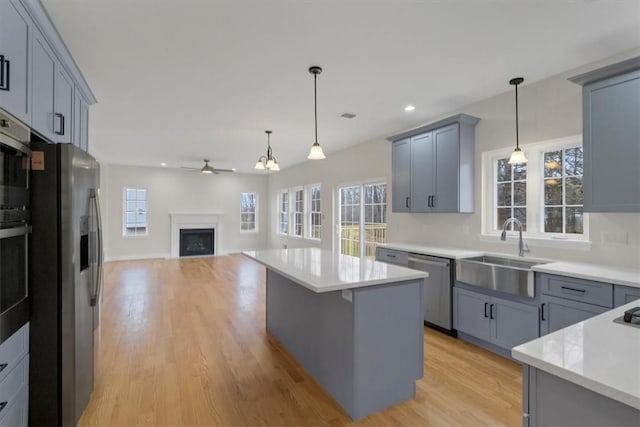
522	246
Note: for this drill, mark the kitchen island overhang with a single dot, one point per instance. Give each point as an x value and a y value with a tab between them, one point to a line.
356	325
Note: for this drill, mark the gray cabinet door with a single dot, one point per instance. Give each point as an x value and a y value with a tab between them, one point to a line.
447	162
401	183
513	323
44	75
15	51
77	105
84	126
624	295
63	114
611	150
558	313
422	172
471	313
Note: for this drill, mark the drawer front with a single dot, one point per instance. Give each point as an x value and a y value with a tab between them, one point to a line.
625	294
16	414
13	383
578	290
392	256
13	350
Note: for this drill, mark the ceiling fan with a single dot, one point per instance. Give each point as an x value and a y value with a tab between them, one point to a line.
208	169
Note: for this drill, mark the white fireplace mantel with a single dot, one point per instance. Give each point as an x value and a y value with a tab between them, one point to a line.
195	220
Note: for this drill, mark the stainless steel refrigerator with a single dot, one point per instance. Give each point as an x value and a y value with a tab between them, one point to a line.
65	278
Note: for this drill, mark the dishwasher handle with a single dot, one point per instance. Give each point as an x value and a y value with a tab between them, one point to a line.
416	260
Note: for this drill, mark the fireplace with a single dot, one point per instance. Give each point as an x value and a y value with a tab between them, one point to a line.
196	220
197	241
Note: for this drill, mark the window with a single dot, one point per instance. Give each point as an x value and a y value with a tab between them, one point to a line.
511	193
283	227
248	212
135	212
562	210
363	218
314	218
298	212
545	194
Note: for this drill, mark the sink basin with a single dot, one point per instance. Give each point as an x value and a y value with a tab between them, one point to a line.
513	276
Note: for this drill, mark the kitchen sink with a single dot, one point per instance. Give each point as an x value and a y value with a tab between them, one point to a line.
513	276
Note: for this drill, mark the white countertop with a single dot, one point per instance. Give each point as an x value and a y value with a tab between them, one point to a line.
597	354
325	271
450	253
615	275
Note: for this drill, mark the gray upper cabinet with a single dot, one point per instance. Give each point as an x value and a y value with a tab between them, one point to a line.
401	183
611	135
63	97
44	76
433	167
15	50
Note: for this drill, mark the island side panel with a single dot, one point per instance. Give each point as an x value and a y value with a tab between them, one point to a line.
389	344
317	328
554	401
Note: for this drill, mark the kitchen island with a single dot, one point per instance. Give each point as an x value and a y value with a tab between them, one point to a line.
354	324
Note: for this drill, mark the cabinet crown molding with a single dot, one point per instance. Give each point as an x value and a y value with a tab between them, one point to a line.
458	118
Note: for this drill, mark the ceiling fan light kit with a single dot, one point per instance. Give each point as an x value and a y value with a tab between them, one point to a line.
316	152
517	157
268	162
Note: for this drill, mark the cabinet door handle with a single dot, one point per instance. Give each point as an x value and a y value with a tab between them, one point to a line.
2	405
60	118
4	73
407	200
578	291
485	309
391	256
433	201
542	311
429	201
491	311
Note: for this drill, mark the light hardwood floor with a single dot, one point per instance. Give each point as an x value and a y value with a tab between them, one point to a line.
183	342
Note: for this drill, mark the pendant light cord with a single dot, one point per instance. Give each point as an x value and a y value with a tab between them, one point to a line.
517	141
315	104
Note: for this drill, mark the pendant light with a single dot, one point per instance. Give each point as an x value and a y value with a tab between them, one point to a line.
268	162
316	150
517	157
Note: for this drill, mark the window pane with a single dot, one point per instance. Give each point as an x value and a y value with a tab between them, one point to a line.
553	220
141	206
573	188
574	221
503	215
131	206
368	214
521	215
368	194
503	170
504	194
519	172
573	161
553	191
131	194
553	163
519	193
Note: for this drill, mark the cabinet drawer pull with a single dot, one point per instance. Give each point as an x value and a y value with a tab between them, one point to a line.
4	73
391	256
485	309
2	405
578	291
491	311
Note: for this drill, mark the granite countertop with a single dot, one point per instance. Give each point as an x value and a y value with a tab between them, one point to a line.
597	354
325	271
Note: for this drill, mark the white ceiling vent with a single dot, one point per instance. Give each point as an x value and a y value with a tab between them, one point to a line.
348	115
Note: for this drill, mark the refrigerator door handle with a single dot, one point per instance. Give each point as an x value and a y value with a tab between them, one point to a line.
98	286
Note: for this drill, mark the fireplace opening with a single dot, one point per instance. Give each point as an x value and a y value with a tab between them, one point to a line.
196	241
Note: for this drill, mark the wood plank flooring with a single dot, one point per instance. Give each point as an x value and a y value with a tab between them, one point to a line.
183	342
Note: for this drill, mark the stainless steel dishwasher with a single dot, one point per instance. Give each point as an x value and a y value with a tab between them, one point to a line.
437	289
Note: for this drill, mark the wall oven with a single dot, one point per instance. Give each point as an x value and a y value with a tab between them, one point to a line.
15	165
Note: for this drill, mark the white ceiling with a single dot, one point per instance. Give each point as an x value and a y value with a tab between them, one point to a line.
178	81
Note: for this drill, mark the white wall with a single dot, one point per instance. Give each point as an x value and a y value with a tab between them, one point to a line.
549	109
176	191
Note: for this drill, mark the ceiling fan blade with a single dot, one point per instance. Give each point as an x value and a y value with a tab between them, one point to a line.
188	168
216	170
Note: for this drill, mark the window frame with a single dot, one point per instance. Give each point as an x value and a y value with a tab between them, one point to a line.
255	213
310	212
534	195
125	233
286	214
294	212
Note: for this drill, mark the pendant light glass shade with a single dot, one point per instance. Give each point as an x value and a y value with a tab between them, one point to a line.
517	157
316	152
267	162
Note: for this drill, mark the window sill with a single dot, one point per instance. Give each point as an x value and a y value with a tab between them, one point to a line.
135	236
249	231
544	242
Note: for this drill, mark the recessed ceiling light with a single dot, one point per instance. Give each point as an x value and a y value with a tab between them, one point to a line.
409	108
163	164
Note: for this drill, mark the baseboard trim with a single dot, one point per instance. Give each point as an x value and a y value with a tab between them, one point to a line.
136	257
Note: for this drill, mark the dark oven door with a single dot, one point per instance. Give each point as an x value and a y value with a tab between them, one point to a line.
15	163
14	295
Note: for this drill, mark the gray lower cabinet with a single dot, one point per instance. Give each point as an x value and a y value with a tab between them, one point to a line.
392	256
497	321
557	313
14	379
433	167
15	51
611	131
624	295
